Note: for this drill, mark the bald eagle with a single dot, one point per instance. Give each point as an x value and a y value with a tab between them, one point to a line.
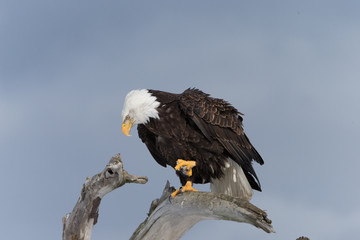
200	136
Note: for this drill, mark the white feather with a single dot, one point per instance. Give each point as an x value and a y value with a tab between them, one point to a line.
140	105
233	183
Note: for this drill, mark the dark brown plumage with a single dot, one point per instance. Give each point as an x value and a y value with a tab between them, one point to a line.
195	126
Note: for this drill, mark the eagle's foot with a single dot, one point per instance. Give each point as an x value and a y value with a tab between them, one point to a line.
186	188
185	166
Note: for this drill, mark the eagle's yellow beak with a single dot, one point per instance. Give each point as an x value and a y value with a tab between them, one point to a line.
127	125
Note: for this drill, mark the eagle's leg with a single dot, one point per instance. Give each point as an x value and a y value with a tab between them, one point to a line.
186	168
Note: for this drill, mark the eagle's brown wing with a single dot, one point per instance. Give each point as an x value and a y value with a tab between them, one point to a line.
219	121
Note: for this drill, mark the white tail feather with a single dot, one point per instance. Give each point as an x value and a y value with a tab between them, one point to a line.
233	183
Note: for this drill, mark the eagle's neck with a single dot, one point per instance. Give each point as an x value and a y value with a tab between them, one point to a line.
140	105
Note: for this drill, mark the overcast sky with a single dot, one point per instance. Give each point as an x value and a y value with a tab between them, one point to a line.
292	67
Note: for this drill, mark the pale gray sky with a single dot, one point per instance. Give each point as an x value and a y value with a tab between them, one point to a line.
291	66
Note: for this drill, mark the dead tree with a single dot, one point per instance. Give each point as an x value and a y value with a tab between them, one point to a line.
78	224
168	218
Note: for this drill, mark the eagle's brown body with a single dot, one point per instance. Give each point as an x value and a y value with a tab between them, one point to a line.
194	126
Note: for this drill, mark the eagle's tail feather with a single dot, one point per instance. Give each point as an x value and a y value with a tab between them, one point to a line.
233	183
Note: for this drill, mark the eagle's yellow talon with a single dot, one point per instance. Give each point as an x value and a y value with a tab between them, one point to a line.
186	188
175	193
185	166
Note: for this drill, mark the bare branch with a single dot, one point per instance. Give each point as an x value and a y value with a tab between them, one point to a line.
171	218
78	225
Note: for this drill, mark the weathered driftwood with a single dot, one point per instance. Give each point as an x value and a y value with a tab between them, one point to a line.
171	218
78	224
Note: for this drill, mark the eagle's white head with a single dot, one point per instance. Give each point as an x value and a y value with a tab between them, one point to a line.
138	108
